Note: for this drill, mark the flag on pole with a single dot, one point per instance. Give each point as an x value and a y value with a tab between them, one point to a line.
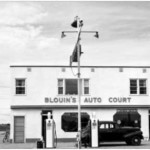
74	56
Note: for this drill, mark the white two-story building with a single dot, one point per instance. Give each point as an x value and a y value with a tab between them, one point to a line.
115	93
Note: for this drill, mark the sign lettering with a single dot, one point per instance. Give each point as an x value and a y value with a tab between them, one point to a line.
119	99
87	100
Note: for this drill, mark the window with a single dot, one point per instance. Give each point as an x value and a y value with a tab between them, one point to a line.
142	86
70	86
107	126
102	126
112	126
60	86
138	86
69	121
20	86
86	86
133	86
127	117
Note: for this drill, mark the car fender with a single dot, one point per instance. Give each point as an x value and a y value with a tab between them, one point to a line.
138	133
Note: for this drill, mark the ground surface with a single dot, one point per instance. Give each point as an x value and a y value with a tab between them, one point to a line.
71	145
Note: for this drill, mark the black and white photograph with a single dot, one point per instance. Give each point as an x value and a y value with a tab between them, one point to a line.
74	74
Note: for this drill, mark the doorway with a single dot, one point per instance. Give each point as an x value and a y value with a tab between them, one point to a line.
44	117
19	123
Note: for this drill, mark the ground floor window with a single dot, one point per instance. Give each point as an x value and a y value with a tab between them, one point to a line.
127	117
69	121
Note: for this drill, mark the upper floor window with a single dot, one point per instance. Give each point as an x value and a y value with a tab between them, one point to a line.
138	86
86	86
60	86
20	86
70	86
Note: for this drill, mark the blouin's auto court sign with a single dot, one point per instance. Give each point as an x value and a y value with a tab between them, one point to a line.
86	100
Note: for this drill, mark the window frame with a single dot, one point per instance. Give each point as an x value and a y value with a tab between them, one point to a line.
25	86
83	86
138	86
75	116
66	90
64	86
60	86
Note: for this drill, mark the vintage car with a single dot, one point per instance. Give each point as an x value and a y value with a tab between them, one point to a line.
109	131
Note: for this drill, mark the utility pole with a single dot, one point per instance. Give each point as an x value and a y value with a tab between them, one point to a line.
75	57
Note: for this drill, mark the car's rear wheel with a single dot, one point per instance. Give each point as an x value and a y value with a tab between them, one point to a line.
135	140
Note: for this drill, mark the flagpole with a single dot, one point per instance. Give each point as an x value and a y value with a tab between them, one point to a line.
76	53
79	94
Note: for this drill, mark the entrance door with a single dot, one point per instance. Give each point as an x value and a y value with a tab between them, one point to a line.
19	129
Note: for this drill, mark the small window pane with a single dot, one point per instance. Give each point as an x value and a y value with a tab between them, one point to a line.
102	126
86	83
86	90
142	83
133	82
60	82
71	86
143	90
20	82
133	90
60	90
112	126
107	126
20	90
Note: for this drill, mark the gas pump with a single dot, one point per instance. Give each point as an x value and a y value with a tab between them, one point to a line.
94	131
51	138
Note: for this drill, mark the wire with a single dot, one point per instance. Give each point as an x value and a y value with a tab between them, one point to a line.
73	72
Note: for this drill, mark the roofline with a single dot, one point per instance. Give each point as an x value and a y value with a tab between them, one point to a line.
61	66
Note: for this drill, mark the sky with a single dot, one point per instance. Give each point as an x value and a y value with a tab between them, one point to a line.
30	33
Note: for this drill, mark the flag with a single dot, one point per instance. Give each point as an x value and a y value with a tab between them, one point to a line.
74	56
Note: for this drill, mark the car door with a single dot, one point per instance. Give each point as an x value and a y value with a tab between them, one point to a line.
103	132
109	132
113	133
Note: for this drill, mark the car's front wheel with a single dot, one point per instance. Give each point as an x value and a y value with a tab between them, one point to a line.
135	140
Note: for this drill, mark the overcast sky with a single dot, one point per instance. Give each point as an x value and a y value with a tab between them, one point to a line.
30	33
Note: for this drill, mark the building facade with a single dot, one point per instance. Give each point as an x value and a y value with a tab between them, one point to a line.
114	93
